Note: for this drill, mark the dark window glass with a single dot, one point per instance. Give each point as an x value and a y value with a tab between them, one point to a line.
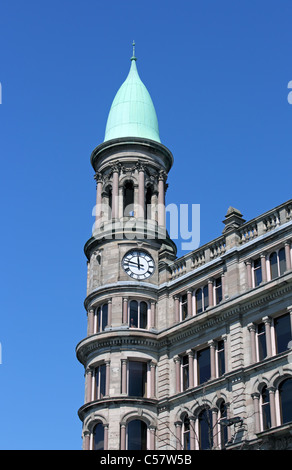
185	372
143	314
148	203
199	301
285	390
266	412
137	379
100	380
129	199
206	297
184	306
102	315
221	358
134	314
283	332
205	430
137	435
282	261
218	290
186	434
223	428
274	265
262	346
257	270
98	435
204	366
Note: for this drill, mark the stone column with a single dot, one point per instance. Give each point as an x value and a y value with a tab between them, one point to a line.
176	309
141	191
264	267
190	354
124	376
115	192
123	436
267	321
152	379
98	209
210	292
249	274
190	301
107	377
88	378
86	440
256	398
224	337
109	312
105	434
212	359
288	256
192	433
178	426
152	431
90	322
272	391
125	311
177	374
152	314
215	427
251	327
161	199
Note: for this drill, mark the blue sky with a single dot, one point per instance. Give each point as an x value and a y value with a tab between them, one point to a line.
217	73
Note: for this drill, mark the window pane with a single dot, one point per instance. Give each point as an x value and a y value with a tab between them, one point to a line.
221	358
204	366
274	265
266	412
185	372
186	434
205	430
143	315
285	390
184	307
98	437
199	302
218	290
104	317
282	261
262	346
134	314
137	433
283	332
206	297
137	378
257	269
101	380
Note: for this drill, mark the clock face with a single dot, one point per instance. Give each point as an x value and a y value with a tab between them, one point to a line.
138	264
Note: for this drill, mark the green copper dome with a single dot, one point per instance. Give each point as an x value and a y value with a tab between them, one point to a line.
132	113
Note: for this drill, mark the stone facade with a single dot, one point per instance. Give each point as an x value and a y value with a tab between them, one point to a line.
208	363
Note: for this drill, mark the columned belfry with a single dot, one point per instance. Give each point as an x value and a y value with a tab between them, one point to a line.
128	255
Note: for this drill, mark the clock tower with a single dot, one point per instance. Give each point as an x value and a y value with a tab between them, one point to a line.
128	257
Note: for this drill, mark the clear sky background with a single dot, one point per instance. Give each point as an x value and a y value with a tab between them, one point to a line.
217	72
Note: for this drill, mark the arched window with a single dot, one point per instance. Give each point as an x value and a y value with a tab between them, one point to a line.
98	437
265	409
277	261
285	394
186	439
138	314
101	318
128	199
205	430
202	299
223	433
137	435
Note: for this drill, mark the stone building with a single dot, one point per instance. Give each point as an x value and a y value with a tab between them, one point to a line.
181	353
